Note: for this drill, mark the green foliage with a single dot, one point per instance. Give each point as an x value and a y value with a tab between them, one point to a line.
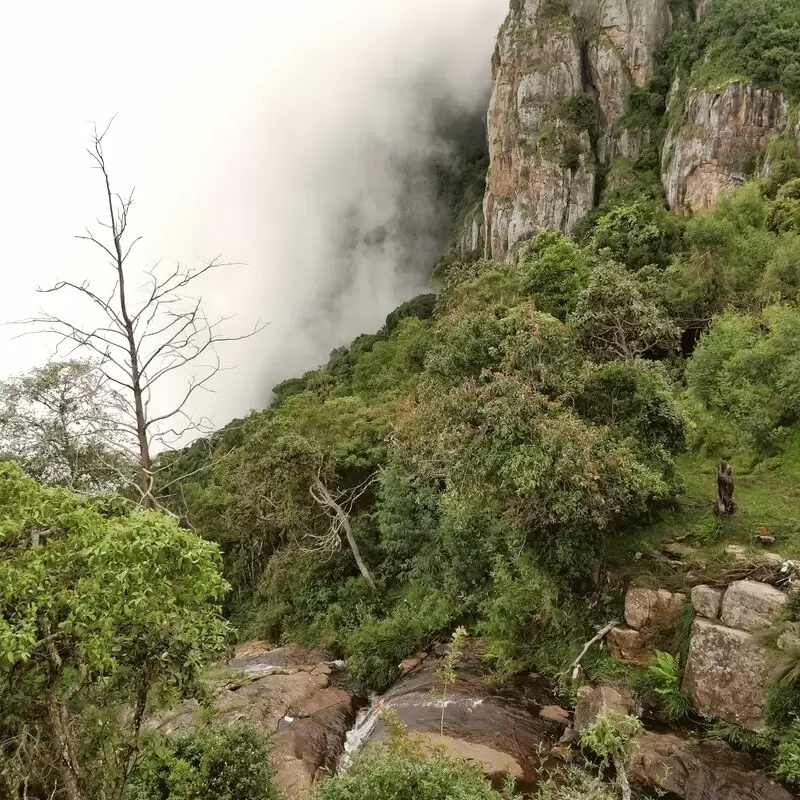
749	370
741	738
666	683
612	736
375	648
403	770
209	764
638	235
97	615
525	617
788	767
555	270
615	318
758	40
62	424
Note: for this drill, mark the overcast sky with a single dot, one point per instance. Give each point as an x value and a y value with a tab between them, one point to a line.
243	126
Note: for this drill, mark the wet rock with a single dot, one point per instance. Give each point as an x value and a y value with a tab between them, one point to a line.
595	700
700	770
499	727
727	674
287	694
706	601
721	131
749	605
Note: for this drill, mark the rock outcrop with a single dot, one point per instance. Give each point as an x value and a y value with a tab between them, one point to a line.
287	693
596	700
749	605
563	71
719	134
727	674
700	770
652	616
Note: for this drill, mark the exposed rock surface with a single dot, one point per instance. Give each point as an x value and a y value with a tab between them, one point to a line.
653	616
700	770
706	601
550	58
287	693
727	674
719	133
501	730
595	700
749	605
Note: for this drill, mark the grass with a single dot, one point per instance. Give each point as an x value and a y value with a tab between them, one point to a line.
767	496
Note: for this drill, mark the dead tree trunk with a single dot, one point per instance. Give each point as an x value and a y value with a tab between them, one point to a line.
724	505
341	522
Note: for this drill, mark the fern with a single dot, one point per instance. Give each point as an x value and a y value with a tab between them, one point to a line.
666	683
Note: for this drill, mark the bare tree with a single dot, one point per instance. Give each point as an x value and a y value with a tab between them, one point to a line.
145	334
338	509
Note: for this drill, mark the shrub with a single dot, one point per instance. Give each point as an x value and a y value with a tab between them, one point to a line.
789	756
402	770
210	764
665	681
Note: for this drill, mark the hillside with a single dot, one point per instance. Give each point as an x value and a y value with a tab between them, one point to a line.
615	320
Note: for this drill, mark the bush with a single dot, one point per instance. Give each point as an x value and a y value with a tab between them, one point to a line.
665	681
789	756
402	770
554	270
211	764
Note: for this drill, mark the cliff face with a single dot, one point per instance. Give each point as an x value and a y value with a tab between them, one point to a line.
563	72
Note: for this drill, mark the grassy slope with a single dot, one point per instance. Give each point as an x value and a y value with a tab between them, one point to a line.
767	495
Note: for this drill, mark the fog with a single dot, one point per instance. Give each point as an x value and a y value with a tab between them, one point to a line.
294	138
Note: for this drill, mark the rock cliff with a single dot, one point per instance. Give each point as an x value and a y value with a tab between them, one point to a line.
563	76
716	140
563	71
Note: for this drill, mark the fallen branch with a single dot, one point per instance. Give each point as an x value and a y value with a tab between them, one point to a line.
575	666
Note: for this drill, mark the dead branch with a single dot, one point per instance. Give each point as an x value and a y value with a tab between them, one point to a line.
575	666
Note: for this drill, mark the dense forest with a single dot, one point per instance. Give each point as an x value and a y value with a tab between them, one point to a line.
503	455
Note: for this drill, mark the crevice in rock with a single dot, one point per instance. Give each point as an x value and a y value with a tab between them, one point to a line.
590	88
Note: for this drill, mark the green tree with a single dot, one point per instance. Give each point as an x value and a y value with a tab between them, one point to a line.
210	764
615	318
100	615
62	424
554	271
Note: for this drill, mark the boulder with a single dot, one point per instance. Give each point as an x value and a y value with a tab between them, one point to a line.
653	616
653	609
749	605
699	770
595	700
630	647
706	601
727	674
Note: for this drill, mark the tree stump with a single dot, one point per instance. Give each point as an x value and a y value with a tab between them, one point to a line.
724	505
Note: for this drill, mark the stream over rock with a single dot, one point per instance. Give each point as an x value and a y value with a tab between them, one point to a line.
506	729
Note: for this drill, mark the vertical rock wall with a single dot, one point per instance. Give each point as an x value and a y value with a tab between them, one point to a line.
563	71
